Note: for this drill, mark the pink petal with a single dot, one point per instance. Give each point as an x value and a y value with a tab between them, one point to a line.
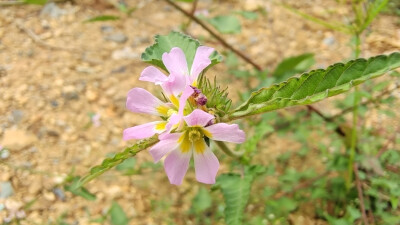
198	118
176	164
168	143
152	74
174	85
141	101
175	119
182	100
226	132
206	165
142	131
175	61
201	61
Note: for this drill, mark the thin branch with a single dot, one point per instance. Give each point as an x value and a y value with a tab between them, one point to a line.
370	101
360	195
319	113
385	147
300	186
393	169
194	7
228	151
215	35
339	130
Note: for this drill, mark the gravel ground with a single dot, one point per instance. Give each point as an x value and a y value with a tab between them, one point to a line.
57	72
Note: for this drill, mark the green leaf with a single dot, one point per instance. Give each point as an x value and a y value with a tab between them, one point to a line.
153	54
115	160
102	18
236	191
248	14
201	201
35	2
128	164
226	24
293	65
81	191
280	207
184	0
118	216
316	85
353	213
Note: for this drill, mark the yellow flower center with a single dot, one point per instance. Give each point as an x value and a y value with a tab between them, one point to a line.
195	135
171	112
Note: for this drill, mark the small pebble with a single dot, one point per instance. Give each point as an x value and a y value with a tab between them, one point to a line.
17	115
6	189
106	28
52	10
4	154
59	193
117	37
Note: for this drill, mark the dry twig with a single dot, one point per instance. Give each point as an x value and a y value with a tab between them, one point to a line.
365	103
360	195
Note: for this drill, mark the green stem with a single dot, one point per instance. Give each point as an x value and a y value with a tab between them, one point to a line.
228	151
356	101
357	47
117	159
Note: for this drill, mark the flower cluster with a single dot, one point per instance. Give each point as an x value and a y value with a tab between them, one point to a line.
185	123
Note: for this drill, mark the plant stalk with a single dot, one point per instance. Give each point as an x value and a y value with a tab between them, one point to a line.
354	138
228	151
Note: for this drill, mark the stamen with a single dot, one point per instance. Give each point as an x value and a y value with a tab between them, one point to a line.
195	135
171	112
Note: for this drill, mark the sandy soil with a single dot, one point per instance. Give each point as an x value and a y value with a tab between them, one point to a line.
58	70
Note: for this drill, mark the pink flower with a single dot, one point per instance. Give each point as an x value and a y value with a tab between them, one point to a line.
183	126
180	77
191	140
141	101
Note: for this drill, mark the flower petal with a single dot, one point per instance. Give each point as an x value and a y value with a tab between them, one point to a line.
168	143
176	119
201	61
175	85
206	164
144	131
141	101
152	74
175	61
182	100
225	132
176	164
198	118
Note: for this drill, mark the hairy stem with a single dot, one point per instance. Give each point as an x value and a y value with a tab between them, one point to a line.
228	151
354	138
117	159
